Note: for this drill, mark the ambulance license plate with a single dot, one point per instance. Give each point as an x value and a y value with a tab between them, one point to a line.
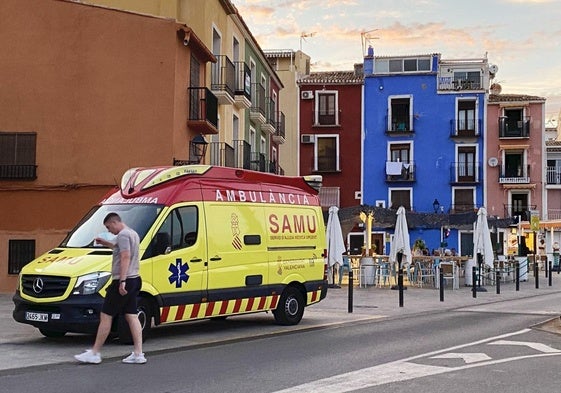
36	316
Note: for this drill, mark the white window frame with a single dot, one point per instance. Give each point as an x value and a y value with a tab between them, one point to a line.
476	114
473	189
410	189
337	145
317	93
395	97
457	153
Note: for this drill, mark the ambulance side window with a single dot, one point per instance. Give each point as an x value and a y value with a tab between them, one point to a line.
182	223
179	230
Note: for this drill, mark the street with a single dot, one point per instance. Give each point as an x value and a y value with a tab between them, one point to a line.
483	348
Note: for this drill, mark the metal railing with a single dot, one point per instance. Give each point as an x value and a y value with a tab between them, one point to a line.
258	99
553	175
399	125
465	127
400	171
242	154
223	75
519	176
222	154
243	79
462	172
258	162
280	128
203	105
518	210
463	207
509	128
18	172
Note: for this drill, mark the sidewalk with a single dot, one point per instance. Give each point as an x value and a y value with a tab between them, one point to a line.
23	346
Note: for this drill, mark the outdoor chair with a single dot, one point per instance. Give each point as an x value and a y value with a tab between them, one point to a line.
449	272
424	273
345	267
383	274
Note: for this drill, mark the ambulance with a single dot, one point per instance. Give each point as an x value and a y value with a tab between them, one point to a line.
215	242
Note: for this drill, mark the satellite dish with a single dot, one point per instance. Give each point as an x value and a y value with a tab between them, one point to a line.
493	162
493	69
496	88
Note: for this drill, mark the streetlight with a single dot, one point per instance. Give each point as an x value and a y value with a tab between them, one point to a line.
198	148
436	205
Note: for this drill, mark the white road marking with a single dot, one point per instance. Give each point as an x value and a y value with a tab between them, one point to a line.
467	357
537	346
400	370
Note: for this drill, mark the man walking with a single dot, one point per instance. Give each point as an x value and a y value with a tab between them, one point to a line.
121	293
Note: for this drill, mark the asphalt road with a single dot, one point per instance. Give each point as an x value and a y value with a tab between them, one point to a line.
483	348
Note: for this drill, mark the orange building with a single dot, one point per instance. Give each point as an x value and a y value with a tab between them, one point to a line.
87	92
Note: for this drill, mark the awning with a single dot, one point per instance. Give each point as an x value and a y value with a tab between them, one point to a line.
525	186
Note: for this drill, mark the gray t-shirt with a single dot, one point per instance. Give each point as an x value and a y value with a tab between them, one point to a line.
127	239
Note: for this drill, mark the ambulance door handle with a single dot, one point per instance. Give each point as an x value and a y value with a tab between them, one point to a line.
196	260
216	258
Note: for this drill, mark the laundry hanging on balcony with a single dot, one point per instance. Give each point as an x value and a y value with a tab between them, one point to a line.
393	168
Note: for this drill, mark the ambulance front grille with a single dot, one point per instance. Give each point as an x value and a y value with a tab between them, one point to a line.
44	286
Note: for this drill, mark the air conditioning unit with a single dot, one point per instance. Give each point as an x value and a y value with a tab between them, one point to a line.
307	138
307	95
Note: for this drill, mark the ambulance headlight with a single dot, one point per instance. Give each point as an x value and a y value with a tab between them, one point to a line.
91	283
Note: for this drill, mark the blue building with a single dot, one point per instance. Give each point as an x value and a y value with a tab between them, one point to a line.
424	122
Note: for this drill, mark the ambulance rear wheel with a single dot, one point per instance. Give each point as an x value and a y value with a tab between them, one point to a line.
290	309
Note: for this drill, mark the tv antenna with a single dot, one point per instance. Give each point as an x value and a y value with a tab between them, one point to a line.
305	35
367	37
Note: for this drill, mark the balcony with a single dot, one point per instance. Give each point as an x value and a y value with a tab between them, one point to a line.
258	162
465	173
242	154
462	128
223	80
553	175
519	176
275	168
242	94
279	135
18	172
203	110
270	124
400	171
511	211
514	128
399	126
257	111
222	154
447	83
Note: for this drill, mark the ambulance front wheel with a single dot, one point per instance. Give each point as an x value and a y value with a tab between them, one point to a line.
290	309
145	316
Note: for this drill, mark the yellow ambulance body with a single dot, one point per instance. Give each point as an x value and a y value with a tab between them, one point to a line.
215	242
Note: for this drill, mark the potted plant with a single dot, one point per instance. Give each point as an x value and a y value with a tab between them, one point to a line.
418	247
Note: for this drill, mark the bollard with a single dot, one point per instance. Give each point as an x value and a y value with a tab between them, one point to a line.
351	283
400	285
537	275
517	274
498	281
546	269
441	284
550	268
473	284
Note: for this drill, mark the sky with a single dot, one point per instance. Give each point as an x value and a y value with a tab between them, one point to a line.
521	37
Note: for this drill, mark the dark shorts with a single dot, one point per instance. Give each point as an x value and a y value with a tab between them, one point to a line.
116	304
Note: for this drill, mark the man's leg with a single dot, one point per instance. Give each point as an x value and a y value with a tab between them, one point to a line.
136	332
103	330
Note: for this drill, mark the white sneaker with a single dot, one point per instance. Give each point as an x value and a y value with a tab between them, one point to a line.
133	358
88	357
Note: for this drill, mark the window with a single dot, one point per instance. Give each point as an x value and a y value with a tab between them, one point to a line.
467	165
326	108
400	152
402	65
554	171
514	169
513	123
466	118
467	80
20	253
17	155
327	153
178	231
464	199
400	197
400	114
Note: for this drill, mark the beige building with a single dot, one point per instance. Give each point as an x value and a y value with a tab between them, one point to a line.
291	66
92	92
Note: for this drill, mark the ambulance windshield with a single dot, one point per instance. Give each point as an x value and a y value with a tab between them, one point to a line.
138	217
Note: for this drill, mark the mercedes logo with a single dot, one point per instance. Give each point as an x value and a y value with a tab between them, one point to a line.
38	285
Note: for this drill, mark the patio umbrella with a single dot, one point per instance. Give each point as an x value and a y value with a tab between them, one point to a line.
481	244
334	237
400	241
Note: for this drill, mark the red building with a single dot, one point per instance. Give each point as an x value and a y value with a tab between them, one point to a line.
330	132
